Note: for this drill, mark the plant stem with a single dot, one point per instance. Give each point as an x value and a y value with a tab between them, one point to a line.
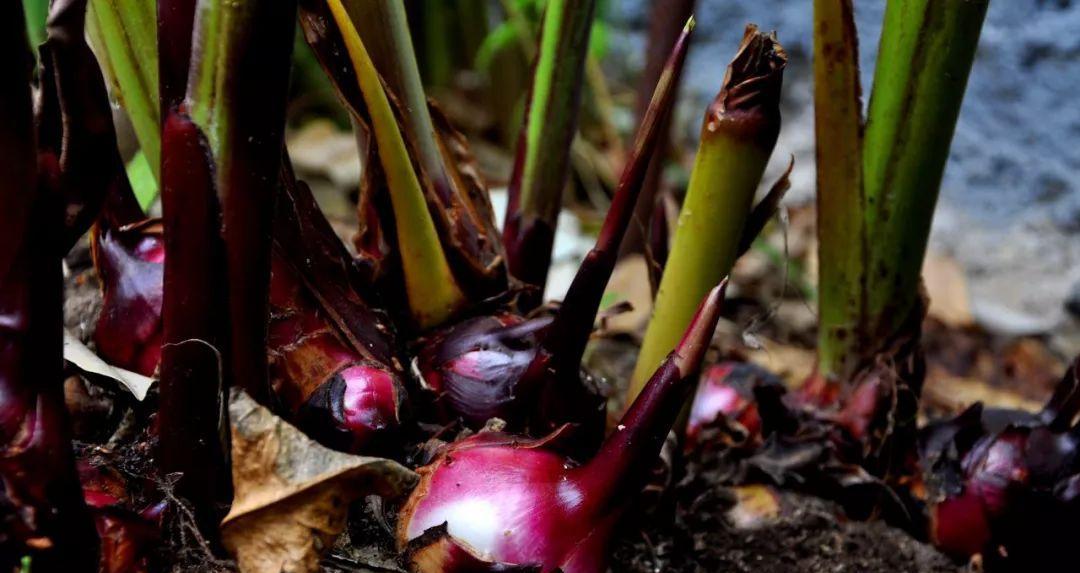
566	340
737	138
542	163
175	22
926	53
77	149
433	293
237	93
878	185
45	515
194	308
385	32
842	234
123	34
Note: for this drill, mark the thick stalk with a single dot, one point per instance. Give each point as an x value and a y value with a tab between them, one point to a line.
665	18
237	92
926	52
123	34
77	152
46	517
737	138
384	28
842	232
175	22
194	308
433	293
542	163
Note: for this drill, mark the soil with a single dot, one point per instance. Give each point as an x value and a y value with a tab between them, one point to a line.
810	536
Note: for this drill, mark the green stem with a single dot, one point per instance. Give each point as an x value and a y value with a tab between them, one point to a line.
432	291
542	166
123	34
737	138
926	52
237	93
36	11
842	234
384	29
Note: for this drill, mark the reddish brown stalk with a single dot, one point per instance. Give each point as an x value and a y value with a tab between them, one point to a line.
632	449
77	149
247	183
332	360
81	164
193	312
45	515
542	160
666	20
305	240
175	21
564	344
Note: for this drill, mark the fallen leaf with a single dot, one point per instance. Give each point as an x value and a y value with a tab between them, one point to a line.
84	359
292	494
755	506
321	148
955	393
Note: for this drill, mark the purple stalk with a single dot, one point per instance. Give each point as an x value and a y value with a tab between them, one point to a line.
175	22
542	161
564	344
46	516
193	312
78	156
621	466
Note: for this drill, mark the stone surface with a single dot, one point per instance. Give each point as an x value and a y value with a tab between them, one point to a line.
1010	206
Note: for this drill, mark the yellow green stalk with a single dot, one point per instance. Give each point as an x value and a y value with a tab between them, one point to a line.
878	183
840	199
123	34
737	138
926	52
433	293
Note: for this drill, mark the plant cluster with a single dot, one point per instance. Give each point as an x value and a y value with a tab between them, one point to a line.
285	359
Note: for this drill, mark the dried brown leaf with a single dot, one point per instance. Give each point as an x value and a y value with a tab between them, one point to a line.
292	494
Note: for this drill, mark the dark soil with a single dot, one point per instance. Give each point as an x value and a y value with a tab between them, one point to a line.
809	536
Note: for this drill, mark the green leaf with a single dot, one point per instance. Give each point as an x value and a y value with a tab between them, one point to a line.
432	291
36	12
123	35
142	180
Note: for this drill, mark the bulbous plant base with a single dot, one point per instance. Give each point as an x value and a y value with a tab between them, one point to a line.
130	262
479	508
498	366
1006	484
